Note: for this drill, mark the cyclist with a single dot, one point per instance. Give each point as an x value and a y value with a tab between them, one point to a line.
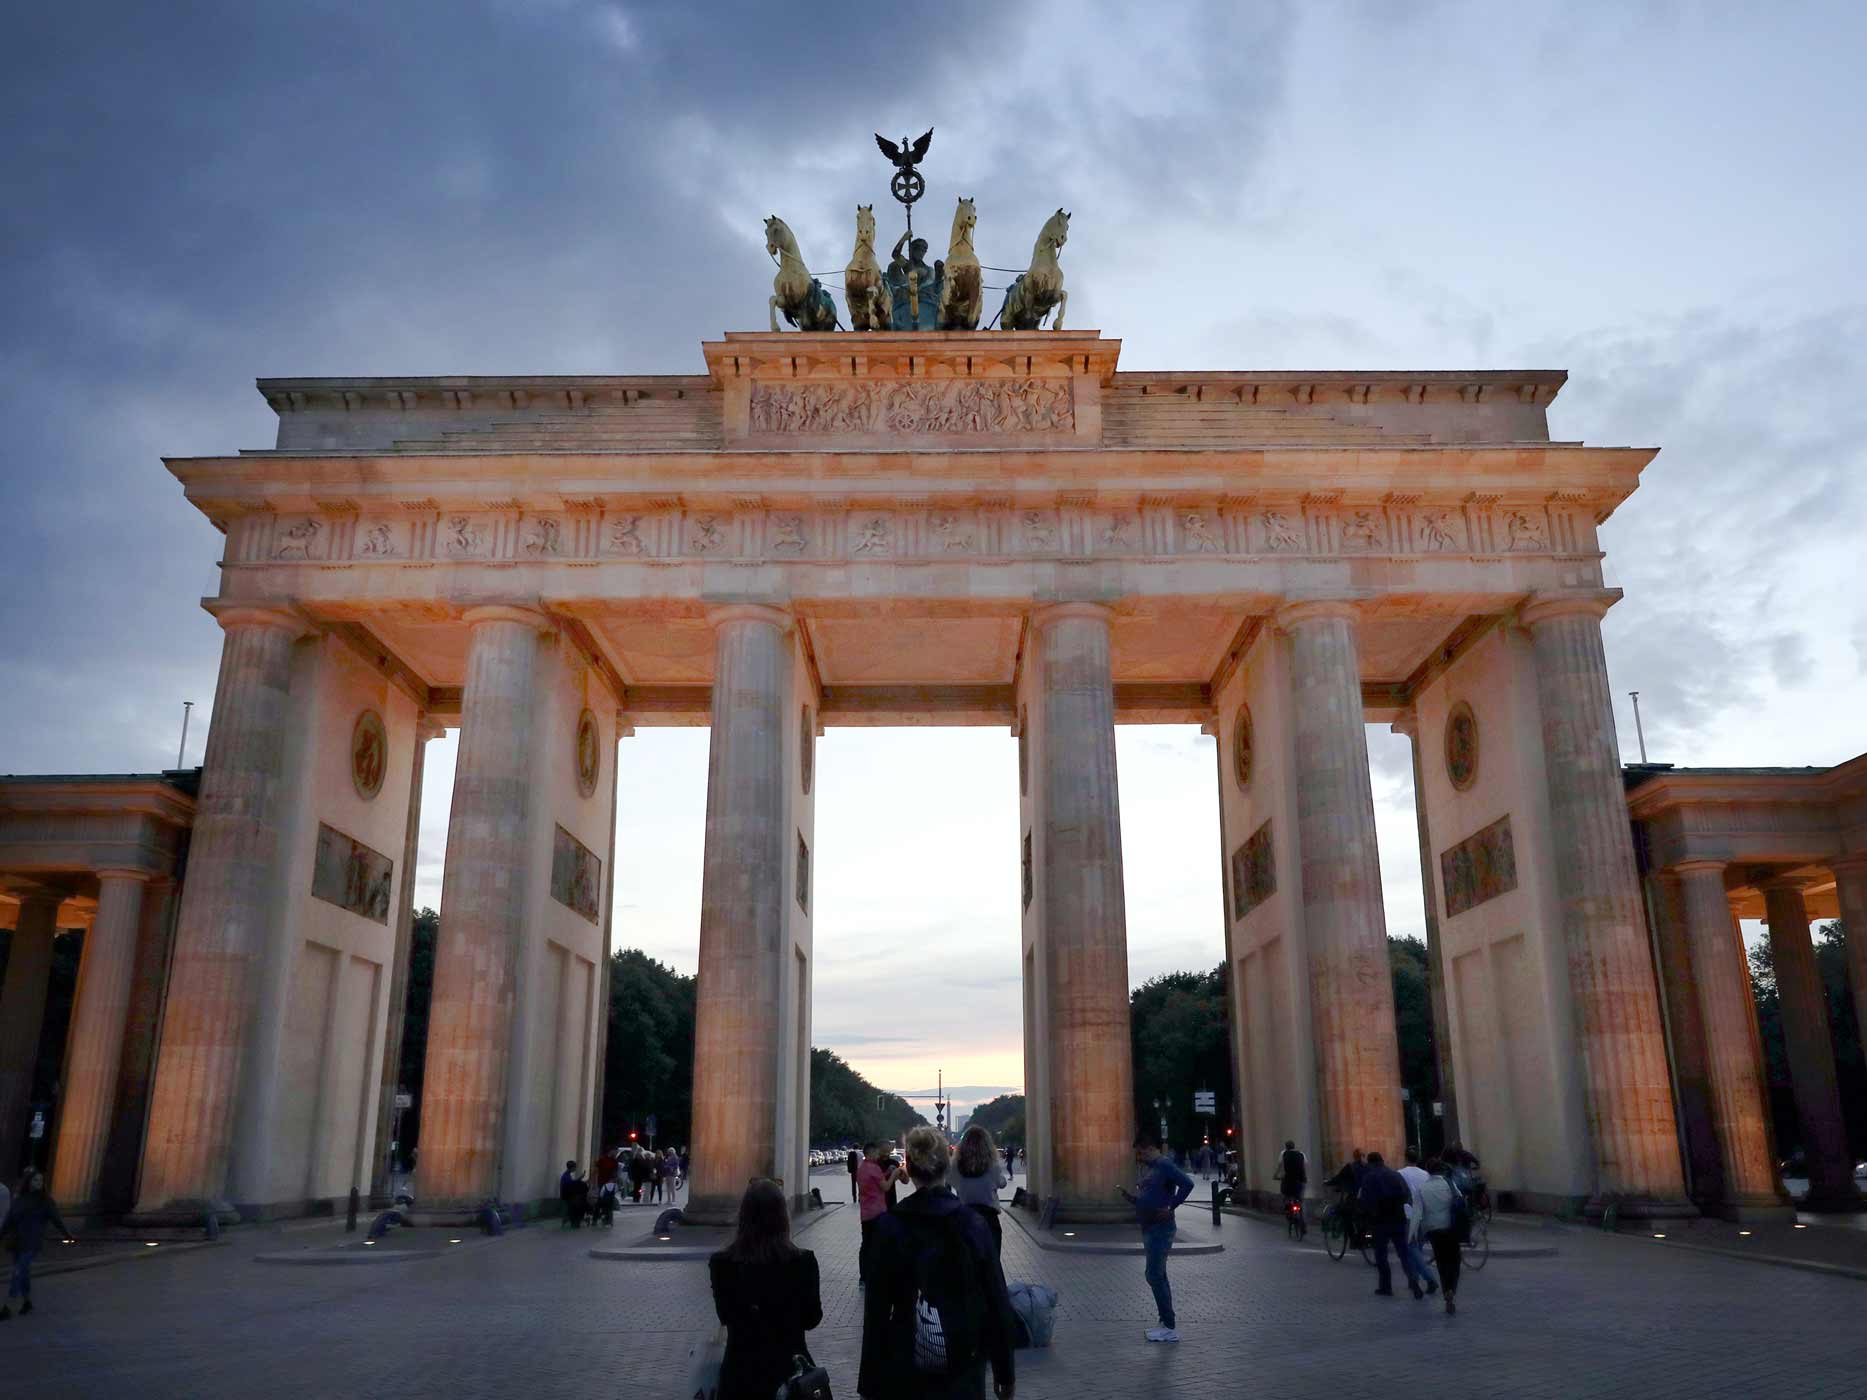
1347	1185
1293	1173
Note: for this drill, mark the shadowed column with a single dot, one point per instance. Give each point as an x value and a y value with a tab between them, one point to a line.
1085	913
1733	1048
1409	725
1619	1030
742	913
229	913
1851	892
22	1014
1685	1026
1810	1050
1344	926
95	1041
483	896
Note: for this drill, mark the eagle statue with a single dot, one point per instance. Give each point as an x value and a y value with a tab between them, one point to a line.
905	156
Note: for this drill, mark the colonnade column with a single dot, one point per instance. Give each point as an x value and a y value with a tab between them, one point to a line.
483	898
1085	911
1409	725
1740	1108
1851	893
95	1042
1811	1052
22	1015
1618	1025
738	992
1344	925
228	916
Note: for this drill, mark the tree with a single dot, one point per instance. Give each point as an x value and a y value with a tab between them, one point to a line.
425	929
1180	1033
846	1108
1413	1027
1003	1118
648	1064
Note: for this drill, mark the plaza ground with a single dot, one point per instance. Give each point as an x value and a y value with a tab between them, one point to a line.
533	1314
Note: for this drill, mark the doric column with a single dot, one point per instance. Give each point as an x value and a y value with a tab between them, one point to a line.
1851	893
1735	1082
425	729
1810	1050
228	916
1344	926
742	914
22	1014
1085	927
1409	724
1618	1024
483	898
95	1041
1685	1029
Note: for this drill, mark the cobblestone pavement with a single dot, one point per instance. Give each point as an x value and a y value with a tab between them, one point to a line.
532	1315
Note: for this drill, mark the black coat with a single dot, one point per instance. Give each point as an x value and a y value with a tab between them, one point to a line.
888	1371
767	1309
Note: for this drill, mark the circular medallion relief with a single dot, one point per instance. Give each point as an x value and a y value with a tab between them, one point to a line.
369	754
806	749
1241	748
1462	746
589	753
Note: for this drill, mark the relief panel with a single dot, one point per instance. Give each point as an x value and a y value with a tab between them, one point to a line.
1481	867
351	875
576	874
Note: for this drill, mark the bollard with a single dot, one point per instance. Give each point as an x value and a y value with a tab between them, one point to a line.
213	1223
350	1216
1217	1219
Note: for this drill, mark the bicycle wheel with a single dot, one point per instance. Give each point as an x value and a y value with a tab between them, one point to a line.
1334	1236
1476	1252
1366	1245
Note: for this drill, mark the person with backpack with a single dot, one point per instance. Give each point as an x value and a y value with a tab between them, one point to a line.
1445	1216
1164	1188
765	1290
935	1314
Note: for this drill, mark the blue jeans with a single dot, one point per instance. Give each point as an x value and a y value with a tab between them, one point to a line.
20	1284
1157	1240
1396	1237
1421	1270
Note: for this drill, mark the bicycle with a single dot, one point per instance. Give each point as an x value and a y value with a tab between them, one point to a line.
1295	1223
1475	1249
1340	1230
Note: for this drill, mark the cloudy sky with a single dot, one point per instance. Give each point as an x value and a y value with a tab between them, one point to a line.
1663	199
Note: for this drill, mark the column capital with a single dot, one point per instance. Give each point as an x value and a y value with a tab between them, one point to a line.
1063	612
1785	883
780	618
1691	867
507	612
427	728
1849	865
1295	614
124	872
1407	723
232	615
1547	607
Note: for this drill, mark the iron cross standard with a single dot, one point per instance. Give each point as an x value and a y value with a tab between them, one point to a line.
907	185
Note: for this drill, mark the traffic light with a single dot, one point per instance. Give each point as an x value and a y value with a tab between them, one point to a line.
632	1135
1228	1132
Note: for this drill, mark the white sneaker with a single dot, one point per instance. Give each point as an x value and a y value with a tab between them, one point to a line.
1162	1334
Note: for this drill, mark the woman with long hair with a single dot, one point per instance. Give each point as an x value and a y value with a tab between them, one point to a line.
765	1291
980	1178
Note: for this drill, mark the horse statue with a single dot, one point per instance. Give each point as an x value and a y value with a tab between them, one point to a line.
794	291
862	279
1032	294
962	295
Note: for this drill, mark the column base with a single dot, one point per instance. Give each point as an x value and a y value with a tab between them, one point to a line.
1095	1212
712	1210
1755	1211
181	1214
1642	1208
1833	1200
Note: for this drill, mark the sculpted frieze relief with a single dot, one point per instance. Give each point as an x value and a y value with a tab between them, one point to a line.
942	406
1153	529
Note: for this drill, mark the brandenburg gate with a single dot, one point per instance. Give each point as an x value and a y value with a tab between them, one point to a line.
909	527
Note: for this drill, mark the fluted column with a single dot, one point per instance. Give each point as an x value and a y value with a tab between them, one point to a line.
742	916
1618	1025
1851	893
1734	1075
484	889
1344	925
425	729
1085	911
1409	725
1672	949
22	1015
229	914
95	1042
1810	1050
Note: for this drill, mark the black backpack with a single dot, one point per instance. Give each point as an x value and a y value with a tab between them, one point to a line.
949	1301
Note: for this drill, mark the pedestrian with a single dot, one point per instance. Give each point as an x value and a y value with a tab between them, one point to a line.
1384	1199
24	1231
638	1174
686	1168
854	1163
1163	1188
1440	1203
981	1176
606	1170
765	1292
873	1183
1416	1178
936	1314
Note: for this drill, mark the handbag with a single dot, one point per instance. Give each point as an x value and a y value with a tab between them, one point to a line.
808	1382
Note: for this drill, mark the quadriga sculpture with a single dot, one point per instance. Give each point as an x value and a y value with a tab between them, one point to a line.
794	291
1032	294
962	296
862	279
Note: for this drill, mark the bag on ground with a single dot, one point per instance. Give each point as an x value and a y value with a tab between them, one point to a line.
1034	1306
808	1381
704	1359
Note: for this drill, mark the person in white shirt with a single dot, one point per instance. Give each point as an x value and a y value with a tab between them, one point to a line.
1416	1176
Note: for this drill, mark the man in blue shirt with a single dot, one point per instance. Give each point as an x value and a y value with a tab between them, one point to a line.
1384	1199
1163	1187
